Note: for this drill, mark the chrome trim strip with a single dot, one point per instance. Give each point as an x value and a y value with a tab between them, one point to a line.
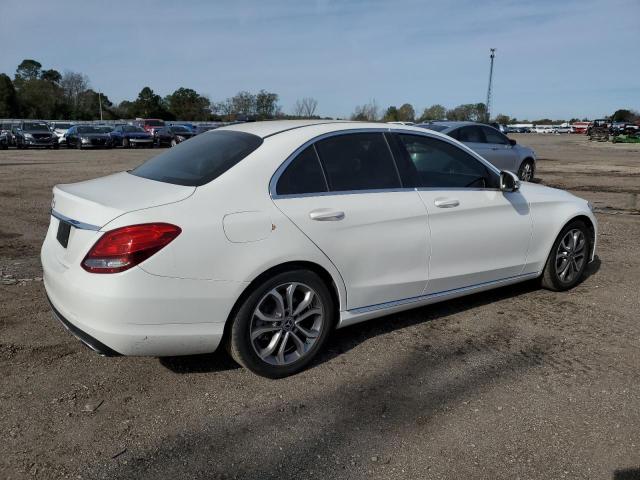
76	223
444	293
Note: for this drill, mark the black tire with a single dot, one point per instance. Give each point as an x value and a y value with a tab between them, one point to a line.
527	169
79	144
551	276
126	143
173	143
239	342
56	146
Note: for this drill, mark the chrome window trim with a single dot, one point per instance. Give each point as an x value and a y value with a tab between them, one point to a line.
75	223
443	137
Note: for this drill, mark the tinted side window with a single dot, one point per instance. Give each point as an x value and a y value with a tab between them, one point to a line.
494	136
455	134
303	175
471	134
358	161
440	164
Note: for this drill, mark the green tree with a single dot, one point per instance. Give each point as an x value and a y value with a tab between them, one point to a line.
368	112
266	105
624	115
52	76
390	115
434	112
406	113
503	119
28	70
187	104
150	105
8	98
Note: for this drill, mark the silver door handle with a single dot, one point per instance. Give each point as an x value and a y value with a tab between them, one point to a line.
325	215
447	203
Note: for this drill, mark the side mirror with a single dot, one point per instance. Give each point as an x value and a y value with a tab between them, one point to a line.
509	181
512	142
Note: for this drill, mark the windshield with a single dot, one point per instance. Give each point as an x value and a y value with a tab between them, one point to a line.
88	129
34	126
201	159
62	126
178	128
435	127
131	128
154	123
104	129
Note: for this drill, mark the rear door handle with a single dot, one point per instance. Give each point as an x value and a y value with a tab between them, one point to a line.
446	202
326	215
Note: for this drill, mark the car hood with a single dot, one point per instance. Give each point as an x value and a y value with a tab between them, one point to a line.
136	134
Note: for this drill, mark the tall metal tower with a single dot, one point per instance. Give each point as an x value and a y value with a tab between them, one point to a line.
488	104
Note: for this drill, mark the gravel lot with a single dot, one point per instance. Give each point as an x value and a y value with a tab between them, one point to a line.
514	383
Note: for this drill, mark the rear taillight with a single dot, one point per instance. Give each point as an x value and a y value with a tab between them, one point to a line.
126	247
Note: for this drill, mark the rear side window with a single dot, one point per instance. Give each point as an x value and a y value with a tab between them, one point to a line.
201	159
303	175
358	161
494	136
440	164
471	134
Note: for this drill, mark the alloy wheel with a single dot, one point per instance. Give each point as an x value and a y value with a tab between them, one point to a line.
286	323
571	255
527	172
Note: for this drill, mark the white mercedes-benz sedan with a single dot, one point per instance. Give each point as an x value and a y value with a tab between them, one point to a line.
265	236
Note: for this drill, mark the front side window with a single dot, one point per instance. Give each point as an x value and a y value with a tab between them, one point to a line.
494	136
440	164
471	134
303	175
358	161
200	160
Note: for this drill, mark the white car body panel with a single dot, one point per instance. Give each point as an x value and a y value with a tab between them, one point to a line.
392	251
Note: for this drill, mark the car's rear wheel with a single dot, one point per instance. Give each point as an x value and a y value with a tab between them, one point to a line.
282	324
569	257
527	171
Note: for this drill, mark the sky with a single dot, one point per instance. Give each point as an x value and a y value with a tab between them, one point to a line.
554	58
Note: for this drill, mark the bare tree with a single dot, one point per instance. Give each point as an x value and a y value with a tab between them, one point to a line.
73	86
367	112
305	107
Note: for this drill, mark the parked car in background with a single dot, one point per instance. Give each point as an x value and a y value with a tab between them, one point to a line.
59	129
5	129
204	128
494	146
543	129
88	136
148	124
4	140
131	136
35	134
562	129
172	135
260	237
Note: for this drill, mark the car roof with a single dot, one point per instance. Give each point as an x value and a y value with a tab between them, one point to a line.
273	127
451	123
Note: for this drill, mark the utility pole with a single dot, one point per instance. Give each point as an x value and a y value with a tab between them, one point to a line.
488	104
100	103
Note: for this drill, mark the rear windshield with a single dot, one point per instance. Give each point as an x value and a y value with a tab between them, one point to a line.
201	159
154	123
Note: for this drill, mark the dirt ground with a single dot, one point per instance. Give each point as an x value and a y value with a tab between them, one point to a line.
514	383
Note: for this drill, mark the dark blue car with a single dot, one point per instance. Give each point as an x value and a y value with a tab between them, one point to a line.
131	136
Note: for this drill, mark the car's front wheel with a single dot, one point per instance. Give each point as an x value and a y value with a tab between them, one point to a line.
282	324
527	170
569	257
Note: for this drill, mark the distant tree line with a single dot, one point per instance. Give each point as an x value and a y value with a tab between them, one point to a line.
473	112
35	92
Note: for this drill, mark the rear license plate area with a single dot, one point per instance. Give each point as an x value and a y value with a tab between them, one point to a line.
64	229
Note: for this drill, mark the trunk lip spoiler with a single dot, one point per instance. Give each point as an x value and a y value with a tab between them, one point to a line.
76	223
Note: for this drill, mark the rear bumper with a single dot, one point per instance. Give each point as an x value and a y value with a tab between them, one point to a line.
134	312
84	337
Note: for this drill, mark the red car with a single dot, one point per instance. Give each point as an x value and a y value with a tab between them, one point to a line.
149	124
